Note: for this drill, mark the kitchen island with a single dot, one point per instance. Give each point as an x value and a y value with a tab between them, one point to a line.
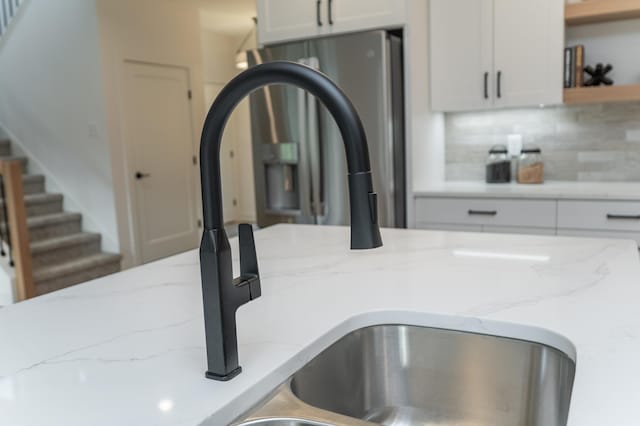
128	349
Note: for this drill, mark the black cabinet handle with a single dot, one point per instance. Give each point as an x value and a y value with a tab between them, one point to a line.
483	212
623	216
499	86
329	10
486	85
318	5
140	175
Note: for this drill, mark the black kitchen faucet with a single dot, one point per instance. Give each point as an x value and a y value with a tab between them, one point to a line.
222	294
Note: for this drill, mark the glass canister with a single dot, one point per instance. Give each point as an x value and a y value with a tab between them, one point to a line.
498	165
530	165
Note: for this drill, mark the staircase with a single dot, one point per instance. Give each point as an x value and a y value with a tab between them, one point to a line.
62	254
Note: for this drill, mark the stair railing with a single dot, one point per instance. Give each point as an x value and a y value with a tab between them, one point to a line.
8	10
16	226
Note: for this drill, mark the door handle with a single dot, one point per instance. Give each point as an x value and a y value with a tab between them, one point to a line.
623	216
483	212
499	85
140	175
318	18
329	11
486	85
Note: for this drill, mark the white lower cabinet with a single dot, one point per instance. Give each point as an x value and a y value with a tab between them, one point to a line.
634	236
487	212
575	218
525	230
449	227
599	215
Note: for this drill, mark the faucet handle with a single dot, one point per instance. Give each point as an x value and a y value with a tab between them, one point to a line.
249	272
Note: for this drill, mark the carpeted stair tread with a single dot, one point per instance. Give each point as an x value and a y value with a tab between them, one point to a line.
38	198
74	266
21	158
57	243
49	219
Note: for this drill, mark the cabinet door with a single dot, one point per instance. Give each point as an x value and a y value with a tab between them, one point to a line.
358	15
528	50
461	59
285	20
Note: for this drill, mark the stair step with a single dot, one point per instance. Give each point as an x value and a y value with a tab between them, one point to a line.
76	271
53	225
23	159
5	147
63	249
32	184
38	204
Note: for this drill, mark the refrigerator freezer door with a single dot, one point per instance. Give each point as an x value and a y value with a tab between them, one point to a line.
279	133
360	65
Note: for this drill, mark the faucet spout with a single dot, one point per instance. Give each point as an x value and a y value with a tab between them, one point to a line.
222	295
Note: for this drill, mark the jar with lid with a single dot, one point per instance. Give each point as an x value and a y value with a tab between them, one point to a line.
498	165
530	165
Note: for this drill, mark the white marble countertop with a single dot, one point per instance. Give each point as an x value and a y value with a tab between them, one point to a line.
129	349
549	190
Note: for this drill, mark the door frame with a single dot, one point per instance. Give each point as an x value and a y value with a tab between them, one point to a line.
128	160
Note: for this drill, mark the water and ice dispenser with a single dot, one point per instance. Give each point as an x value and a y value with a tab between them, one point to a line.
281	161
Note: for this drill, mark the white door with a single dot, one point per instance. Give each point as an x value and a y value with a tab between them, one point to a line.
160	147
461	45
529	45
284	20
358	15
228	164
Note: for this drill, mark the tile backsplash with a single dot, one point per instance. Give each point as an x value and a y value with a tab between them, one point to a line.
599	142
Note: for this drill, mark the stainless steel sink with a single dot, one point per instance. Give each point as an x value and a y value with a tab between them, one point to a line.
407	375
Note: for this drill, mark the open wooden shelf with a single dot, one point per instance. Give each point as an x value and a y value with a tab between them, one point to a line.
602	94
592	11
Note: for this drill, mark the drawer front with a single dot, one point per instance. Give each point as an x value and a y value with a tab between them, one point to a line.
485	211
618	235
599	215
455	227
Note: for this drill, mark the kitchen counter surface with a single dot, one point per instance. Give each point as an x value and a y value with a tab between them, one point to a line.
128	349
629	191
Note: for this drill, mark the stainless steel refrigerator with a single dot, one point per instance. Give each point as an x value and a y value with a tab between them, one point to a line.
298	153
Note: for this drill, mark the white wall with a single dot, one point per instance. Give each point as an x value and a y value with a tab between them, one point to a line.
154	31
52	105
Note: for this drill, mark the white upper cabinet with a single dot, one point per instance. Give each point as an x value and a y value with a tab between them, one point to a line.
356	15
287	20
461	47
281	20
495	53
529	45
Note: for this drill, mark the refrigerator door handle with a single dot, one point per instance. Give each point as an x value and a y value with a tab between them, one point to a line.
304	167
315	152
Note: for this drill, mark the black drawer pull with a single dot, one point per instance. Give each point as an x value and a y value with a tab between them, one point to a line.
483	212
623	216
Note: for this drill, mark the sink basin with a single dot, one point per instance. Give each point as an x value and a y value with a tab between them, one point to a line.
408	375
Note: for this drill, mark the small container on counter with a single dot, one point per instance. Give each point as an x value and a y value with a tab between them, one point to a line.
498	166
530	165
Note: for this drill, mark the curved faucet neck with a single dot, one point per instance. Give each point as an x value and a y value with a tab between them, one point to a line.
254	78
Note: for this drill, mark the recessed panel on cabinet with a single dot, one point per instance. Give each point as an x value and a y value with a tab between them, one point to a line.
461	54
599	215
486	211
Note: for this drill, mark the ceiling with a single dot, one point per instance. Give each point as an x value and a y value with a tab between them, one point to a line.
232	17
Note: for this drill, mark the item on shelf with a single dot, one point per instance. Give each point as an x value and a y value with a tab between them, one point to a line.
530	165
598	75
578	70
568	67
573	66
498	166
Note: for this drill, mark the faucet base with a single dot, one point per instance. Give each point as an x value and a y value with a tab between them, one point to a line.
224	378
